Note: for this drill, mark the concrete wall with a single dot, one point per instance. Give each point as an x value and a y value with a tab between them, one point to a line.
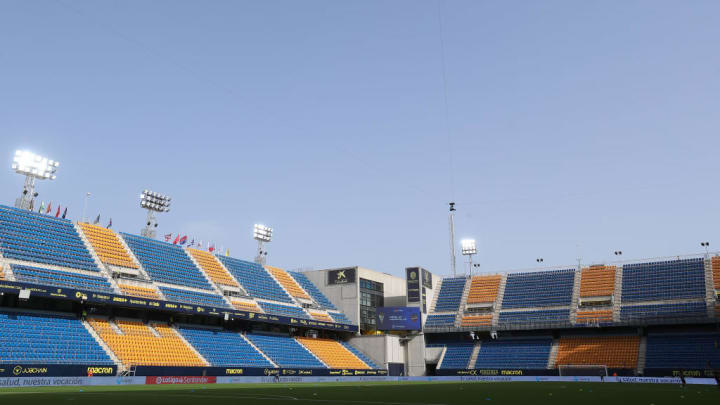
381	349
346	297
415	348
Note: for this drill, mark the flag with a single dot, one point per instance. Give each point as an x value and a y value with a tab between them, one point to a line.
227	252
32	204
57	214
42	206
177	238
183	240
192	243
64	212
49	208
109	224
168	237
97	220
211	247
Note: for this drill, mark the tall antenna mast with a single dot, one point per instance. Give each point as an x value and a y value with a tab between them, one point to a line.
452	238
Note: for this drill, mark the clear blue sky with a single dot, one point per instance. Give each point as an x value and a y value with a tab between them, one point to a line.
576	127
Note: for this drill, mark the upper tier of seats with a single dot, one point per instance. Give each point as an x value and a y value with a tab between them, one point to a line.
165	262
316	294
483	289
597	281
288	282
360	354
321	316
685	351
332	353
434	321
212	267
137	291
529	317
255	280
285	351
223	348
675	279
610	351
595	316
39	238
450	294
664	311
514	353
193	297
539	289
47	339
245	305
107	245
476	320
283	310
139	346
57	278
457	355
716	271
339	317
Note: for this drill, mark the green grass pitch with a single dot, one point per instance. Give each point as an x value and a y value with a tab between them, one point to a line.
370	394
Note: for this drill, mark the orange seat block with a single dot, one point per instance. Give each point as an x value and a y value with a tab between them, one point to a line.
610	351
245	306
107	245
288	282
476	320
595	316
332	353
716	271
597	281
141	292
483	289
321	316
212	267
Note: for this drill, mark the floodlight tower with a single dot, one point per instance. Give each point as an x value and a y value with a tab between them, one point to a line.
262	234
153	202
33	167
451	219
468	249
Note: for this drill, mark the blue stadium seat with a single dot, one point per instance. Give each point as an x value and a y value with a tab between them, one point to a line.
56	278
450	294
667	312
285	351
696	351
165	262
654	281
47	339
539	289
193	297
514	353
457	356
339	317
434	321
255	279
358	353
283	310
39	238
529	317
223	348
311	289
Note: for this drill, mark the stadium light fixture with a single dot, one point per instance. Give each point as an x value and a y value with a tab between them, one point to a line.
706	245
33	167
468	248
262	234
618	253
539	260
153	202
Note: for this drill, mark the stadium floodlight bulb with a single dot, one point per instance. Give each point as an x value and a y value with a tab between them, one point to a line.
30	164
262	233
468	247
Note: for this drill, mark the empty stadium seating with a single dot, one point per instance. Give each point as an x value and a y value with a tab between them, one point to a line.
107	245
597	281
450	294
610	351
283	310
138	345
664	311
435	321
223	348
255	280
245	306
312	289
483	289
193	297
57	278
595	316
530	317
457	355
332	353
136	291
683	351
476	320
165	262
288	282
39	238
716	271
675	279
514	353
284	351
212	267
339	317
321	316
360	354
539	289
47	339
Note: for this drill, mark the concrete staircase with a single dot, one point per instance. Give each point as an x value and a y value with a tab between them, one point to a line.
474	356
442	357
617	294
552	359
642	352
258	349
435	296
498	300
709	288
104	346
463	301
575	296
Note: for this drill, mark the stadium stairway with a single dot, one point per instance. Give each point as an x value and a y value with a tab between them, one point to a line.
250	342
642	353
104	346
617	294
463	303
474	355
552	358
103	269
575	296
710	296
498	300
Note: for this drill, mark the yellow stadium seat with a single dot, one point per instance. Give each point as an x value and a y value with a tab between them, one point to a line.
288	282
610	351
245	306
597	281
212	267
321	316
107	246
476	320
716	271
141	292
605	315
332	353
483	289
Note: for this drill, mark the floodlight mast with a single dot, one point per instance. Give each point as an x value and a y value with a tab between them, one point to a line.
452	238
33	167
468	248
153	202
262	234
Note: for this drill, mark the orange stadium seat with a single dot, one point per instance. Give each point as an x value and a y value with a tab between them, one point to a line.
138	345
212	267
141	292
245	306
605	315
597	281
332	353
107	246
716	271
610	351
288	282
321	316
483	289
476	320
